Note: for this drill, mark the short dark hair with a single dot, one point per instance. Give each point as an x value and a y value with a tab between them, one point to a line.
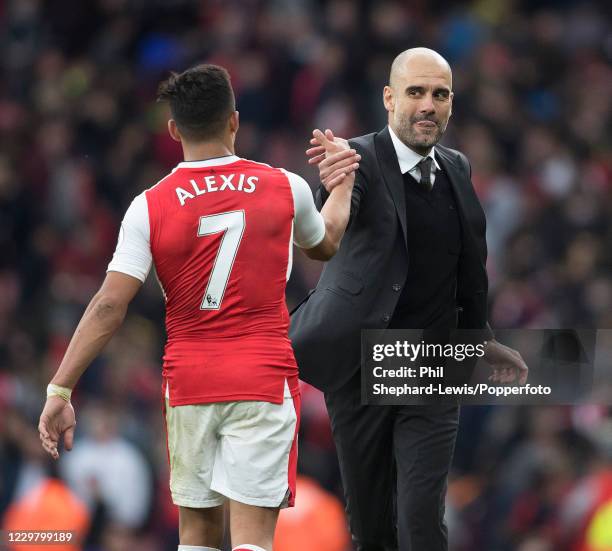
201	100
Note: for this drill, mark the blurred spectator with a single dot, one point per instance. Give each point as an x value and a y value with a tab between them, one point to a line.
316	522
50	505
107	471
81	135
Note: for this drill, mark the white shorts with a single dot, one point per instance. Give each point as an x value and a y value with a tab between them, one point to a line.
245	451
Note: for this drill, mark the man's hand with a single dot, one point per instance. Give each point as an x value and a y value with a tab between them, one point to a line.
335	158
317	153
56	419
507	364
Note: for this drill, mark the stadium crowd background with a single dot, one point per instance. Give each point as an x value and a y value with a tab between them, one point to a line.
81	135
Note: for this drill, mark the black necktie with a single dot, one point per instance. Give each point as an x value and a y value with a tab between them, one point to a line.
425	167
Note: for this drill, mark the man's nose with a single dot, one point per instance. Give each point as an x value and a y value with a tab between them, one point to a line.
427	105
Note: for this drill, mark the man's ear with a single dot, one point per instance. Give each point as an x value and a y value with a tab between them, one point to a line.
234	122
388	99
174	131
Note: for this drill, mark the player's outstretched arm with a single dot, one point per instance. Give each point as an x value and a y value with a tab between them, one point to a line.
340	164
336	213
103	316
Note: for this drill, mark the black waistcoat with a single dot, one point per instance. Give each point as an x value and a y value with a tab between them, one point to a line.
434	244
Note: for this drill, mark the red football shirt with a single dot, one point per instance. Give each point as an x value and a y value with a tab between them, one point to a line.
219	233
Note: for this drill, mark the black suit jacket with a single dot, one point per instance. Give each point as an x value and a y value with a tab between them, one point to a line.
360	286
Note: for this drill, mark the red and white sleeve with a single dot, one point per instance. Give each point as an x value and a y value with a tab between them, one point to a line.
133	252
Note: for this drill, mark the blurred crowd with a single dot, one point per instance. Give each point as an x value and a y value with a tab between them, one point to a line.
81	135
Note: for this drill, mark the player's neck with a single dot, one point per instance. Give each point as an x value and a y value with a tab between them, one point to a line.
206	150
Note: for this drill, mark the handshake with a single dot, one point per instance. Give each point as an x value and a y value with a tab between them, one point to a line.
337	162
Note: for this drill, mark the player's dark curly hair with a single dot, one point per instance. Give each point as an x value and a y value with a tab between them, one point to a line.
201	100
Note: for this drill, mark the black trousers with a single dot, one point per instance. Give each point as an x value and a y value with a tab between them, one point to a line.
394	462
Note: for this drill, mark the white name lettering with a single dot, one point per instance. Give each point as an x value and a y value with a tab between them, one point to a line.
227	182
183	195
210	184
251	182
195	187
215	183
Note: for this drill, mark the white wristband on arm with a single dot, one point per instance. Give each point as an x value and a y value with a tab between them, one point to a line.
61	391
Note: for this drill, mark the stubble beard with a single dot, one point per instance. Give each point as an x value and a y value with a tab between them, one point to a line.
419	141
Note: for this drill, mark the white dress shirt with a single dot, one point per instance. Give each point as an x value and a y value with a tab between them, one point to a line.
409	160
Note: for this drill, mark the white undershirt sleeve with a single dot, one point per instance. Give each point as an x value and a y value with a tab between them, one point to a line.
308	223
133	253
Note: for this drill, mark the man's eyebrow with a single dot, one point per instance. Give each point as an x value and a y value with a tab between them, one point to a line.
419	88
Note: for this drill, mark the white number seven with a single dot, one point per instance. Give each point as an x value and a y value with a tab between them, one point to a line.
232	225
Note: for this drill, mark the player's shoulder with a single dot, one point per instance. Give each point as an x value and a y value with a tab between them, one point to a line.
167	180
257	165
284	175
298	185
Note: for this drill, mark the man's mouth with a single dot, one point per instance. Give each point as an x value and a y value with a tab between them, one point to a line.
426	124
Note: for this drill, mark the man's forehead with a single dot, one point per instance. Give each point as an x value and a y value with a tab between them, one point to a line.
424	79
422	67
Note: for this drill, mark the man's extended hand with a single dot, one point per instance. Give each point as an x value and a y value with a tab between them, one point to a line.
56	419
507	364
335	158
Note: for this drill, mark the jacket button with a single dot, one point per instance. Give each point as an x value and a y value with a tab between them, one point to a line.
386	318
397	287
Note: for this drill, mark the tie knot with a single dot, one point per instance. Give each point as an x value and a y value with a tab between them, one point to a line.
426	162
425	167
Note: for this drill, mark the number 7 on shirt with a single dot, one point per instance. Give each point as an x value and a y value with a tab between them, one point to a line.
232	225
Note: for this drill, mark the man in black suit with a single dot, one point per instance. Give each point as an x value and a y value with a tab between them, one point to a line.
413	257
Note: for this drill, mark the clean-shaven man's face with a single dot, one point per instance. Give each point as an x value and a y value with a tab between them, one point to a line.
419	100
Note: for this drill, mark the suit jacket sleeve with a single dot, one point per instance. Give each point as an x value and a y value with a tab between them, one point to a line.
358	192
469	298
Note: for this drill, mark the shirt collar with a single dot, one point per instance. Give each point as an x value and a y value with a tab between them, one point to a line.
214	161
409	159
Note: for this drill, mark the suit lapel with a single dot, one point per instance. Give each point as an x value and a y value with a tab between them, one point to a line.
392	175
455	174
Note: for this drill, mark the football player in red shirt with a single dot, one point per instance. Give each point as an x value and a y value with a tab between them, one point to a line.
219	230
